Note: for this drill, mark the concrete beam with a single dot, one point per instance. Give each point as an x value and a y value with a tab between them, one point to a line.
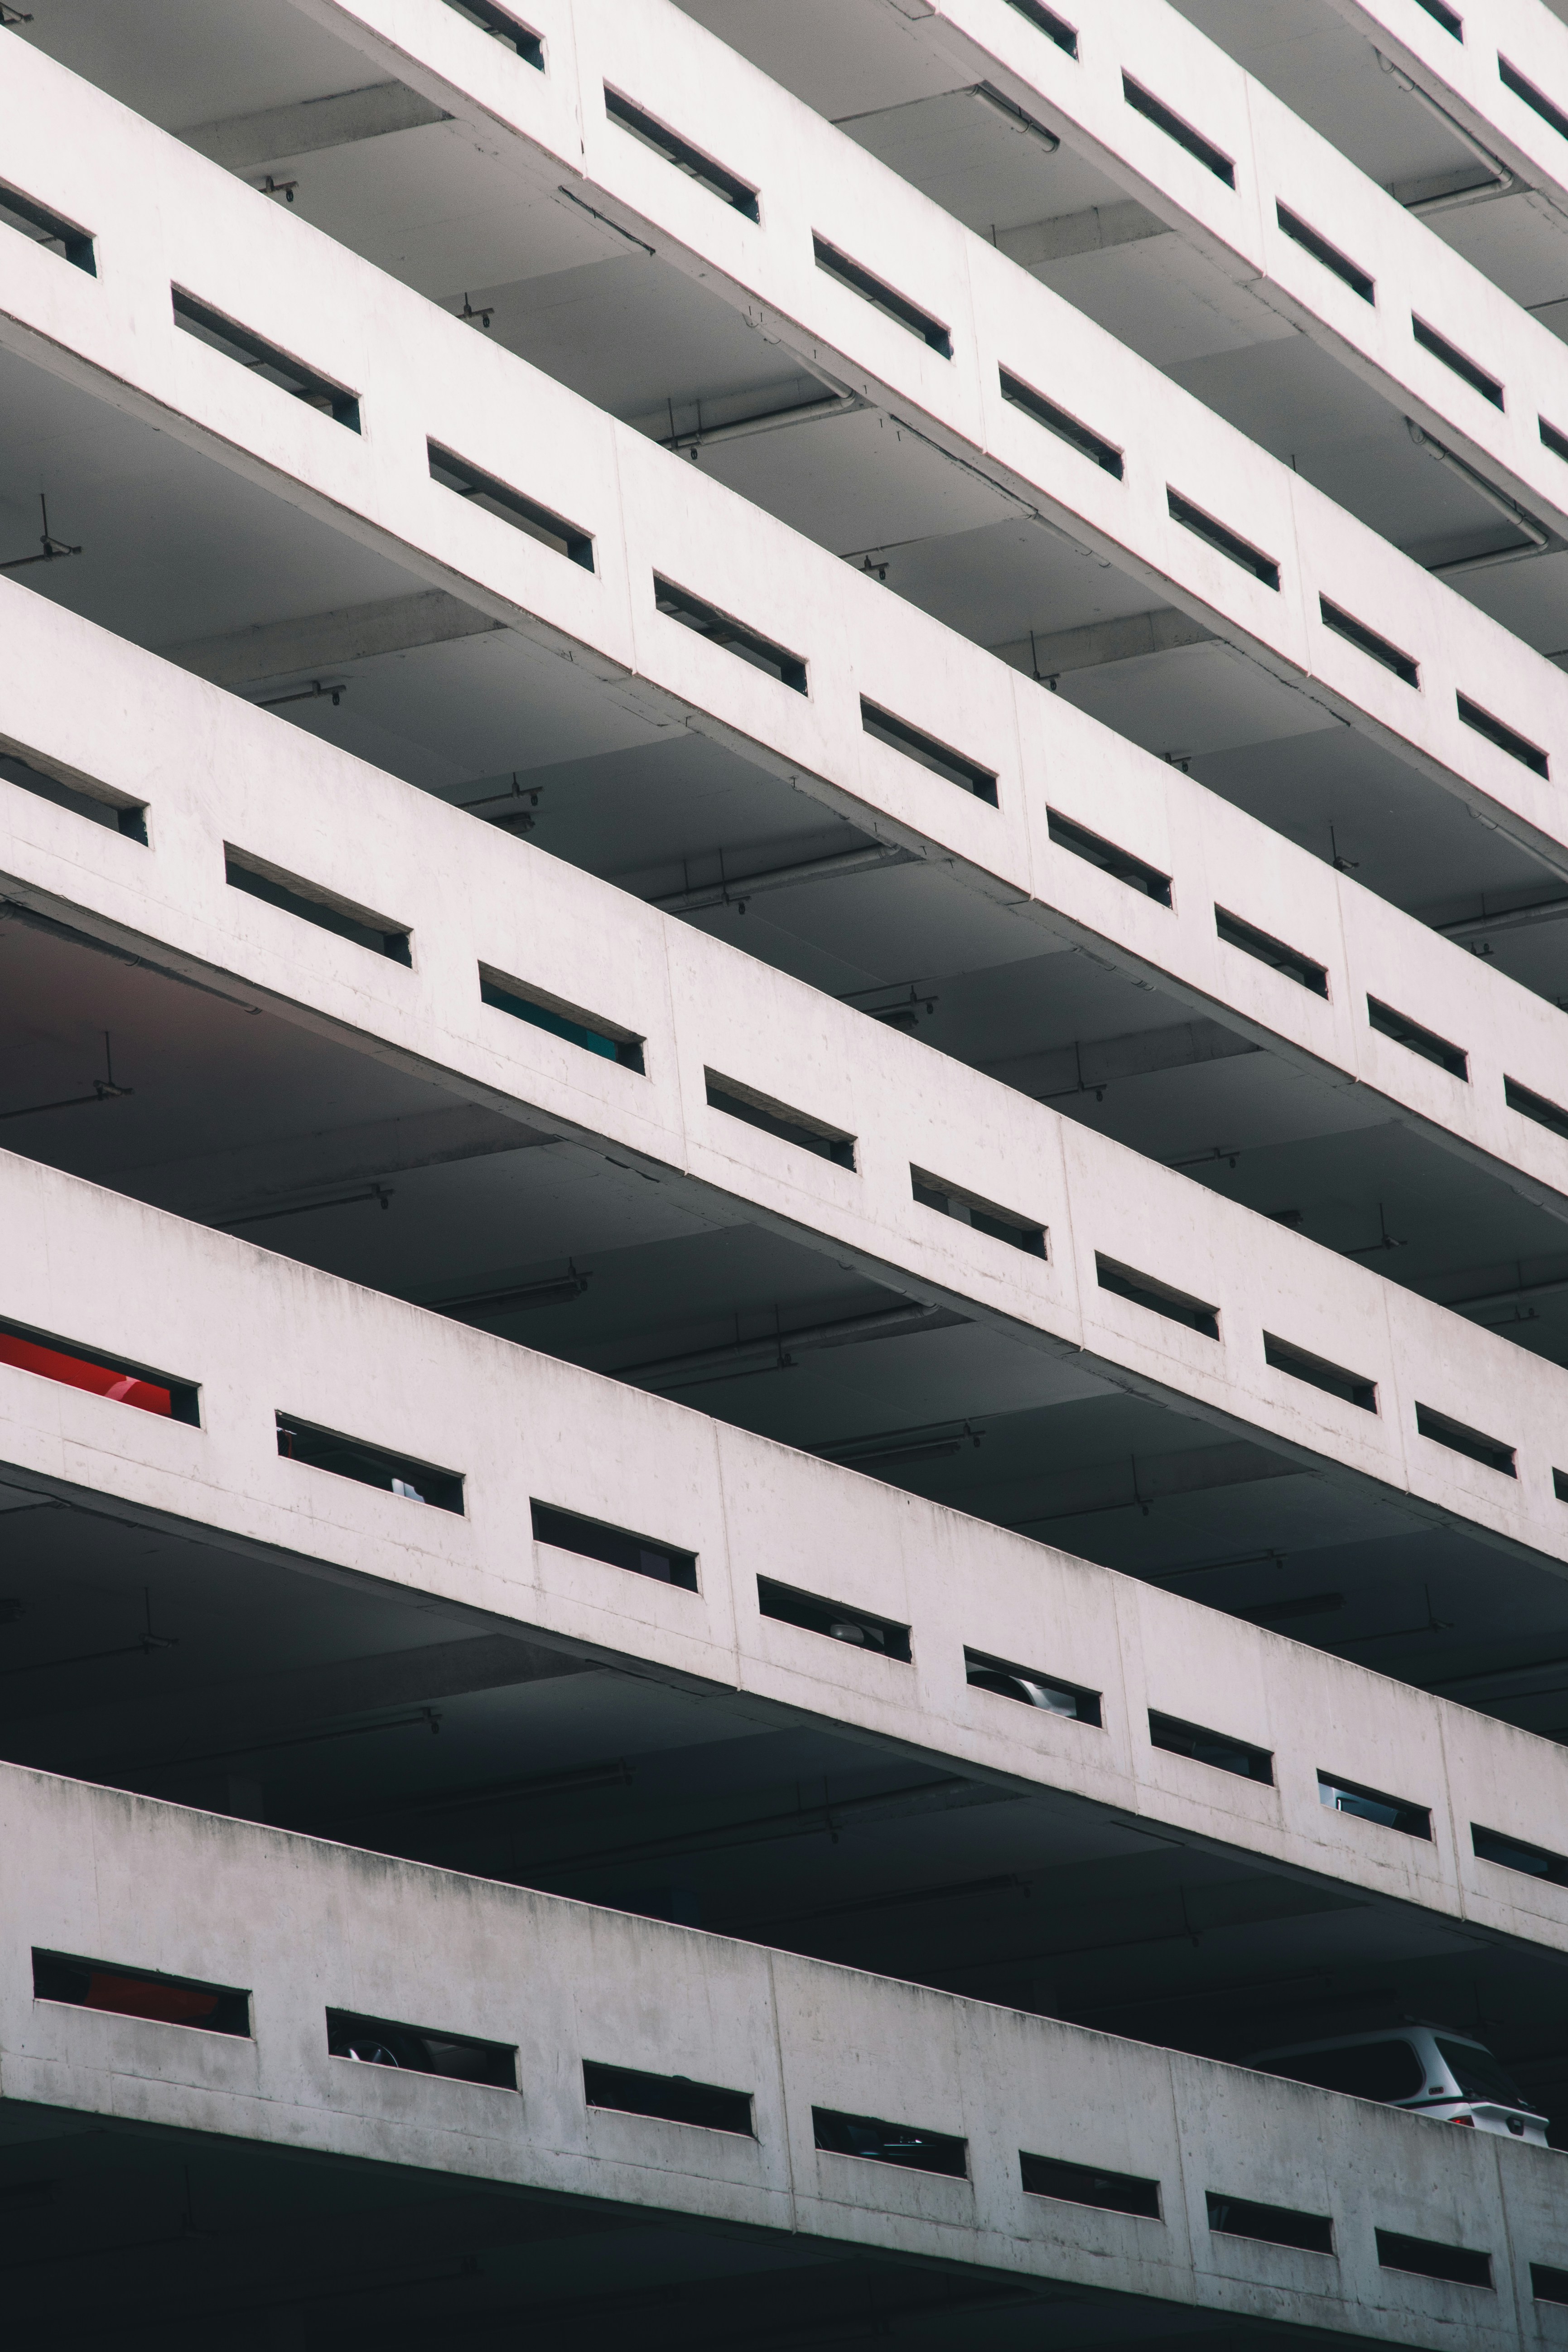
319	641
1067	235
1089	1069
1099	642
242	143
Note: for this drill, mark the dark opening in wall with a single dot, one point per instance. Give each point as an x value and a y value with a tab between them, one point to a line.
882	297
121	1384
561	1020
672	2098
1512	1854
949	765
1535	1107
1490	1452
721	629
195	317
83	795
1160	1298
1518	747
1225	541
1548	2284
1079	436
1537	100
499	498
1080	843
1318	1373
885	2143
36	221
1350	273
1367	641
302	898
1374	1805
1271	2225
1154	110
1045	20
369	1465
141	1993
1087	2184
592	1539
1550	439
503	27
1441	13
377	2042
1428	2258
1274	952
1215	1748
1029	1688
932	1192
1425	1042
1456	361
735	1101
719	182
837	1620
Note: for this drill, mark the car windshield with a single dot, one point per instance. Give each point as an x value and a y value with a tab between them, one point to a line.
1478	2074
1368	2070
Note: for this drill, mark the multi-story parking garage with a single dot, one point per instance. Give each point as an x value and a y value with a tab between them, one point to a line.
784	1326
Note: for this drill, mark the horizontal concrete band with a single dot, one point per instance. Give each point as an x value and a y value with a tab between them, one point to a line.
814	181
1278	161
301	1926
260	1334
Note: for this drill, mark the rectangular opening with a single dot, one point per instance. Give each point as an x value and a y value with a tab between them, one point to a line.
82	795
723	629
1367	641
1026	1688
617	1547
839	1621
932	1192
499	498
1159	1297
368	1466
1374	1805
141	1993
885	2143
1215	1748
949	765
1560	1485
1535	1107
378	2042
1512	1854
1453	358
1270	2225
1518	747
1318	1373
59	1360
1547	2283
893	305
1426	2258
718	182
1274	952
1087	2184
1224	541
197	318
1347	271
1491	1452
673	2098
1066	429
294	896
1080	843
1155	110
1416	1040
1537	100
1441	13
1045	20
45	227
590	1033
502	26
1550	439
728	1094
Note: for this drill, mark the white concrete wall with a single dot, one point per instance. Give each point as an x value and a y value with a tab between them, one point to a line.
261	1334
303	1926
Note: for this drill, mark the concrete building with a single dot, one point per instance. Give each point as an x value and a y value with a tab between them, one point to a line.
787	776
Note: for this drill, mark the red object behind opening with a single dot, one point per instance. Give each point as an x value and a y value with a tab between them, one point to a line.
143	1997
77	1372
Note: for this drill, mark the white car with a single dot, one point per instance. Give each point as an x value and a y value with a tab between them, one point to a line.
1428	2069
